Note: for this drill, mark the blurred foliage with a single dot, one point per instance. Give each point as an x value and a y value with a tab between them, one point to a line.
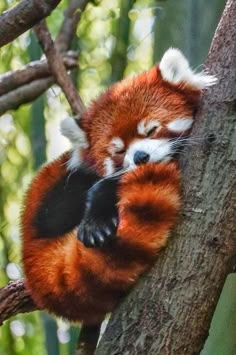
222	340
116	38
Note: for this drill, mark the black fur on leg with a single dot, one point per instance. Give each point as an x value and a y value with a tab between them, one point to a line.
63	206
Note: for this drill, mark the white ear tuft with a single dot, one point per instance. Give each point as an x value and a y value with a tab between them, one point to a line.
175	69
74	133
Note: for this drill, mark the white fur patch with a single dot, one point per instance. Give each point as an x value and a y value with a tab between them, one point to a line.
180	124
74	133
75	160
108	166
145	126
175	69
77	137
158	149
116	145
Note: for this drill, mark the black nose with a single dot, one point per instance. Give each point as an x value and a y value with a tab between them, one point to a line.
141	157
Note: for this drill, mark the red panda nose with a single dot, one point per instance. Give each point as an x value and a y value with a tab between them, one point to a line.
141	157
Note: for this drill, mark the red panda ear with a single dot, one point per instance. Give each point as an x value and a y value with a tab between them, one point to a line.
175	69
74	133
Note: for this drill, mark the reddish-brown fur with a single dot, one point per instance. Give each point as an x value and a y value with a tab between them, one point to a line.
84	284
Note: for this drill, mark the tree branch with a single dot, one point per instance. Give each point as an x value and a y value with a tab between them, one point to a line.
35	70
10	81
22	17
58	69
14	299
171	309
24	94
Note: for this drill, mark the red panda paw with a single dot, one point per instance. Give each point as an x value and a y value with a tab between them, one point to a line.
99	224
95	232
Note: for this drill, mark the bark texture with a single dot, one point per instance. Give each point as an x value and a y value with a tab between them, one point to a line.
170	311
14	299
22	17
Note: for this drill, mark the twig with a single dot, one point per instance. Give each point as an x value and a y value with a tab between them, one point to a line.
70	23
22	17
14	299
58	69
33	71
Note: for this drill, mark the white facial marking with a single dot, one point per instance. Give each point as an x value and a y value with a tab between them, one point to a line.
116	145
158	149
180	124
175	68
144	127
108	166
78	139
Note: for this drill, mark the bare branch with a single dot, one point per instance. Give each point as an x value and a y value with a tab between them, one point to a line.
70	23
14	299
24	94
40	69
33	71
22	17
58	69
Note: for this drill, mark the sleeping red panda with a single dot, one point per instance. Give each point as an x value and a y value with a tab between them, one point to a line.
117	190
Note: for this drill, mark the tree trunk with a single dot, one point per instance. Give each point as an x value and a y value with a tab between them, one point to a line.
171	310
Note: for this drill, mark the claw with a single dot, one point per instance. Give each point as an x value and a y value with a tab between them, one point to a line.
87	242
115	221
80	235
91	241
107	230
100	237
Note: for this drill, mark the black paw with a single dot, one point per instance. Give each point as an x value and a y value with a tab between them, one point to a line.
97	233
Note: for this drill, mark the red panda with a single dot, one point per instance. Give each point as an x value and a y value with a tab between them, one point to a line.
135	127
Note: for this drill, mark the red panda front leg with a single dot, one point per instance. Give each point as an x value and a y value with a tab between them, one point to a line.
55	202
100	220
148	205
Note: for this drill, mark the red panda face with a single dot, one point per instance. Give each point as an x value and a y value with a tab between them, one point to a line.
140	119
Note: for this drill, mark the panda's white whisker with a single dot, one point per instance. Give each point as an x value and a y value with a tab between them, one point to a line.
115	175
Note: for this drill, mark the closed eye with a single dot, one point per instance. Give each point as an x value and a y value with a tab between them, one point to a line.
151	131
121	152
